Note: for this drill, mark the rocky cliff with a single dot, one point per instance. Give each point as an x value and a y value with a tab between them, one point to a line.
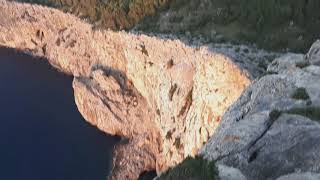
164	97
273	129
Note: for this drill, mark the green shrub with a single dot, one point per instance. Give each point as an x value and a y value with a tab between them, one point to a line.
196	168
300	93
274	115
41	2
310	112
302	64
263	65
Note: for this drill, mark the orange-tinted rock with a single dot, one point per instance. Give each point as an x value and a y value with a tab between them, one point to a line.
164	97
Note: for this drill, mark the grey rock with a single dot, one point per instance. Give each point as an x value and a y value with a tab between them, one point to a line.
253	60
300	176
267	147
313	55
229	173
286	62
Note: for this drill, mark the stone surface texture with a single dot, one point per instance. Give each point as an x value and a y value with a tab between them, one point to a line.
300	176
229	173
265	144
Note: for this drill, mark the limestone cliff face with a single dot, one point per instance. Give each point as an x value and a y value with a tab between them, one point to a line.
188	89
163	97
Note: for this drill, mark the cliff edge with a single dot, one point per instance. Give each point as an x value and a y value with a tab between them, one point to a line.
165	98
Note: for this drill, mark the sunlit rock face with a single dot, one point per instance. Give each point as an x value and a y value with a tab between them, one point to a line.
163	97
116	107
188	89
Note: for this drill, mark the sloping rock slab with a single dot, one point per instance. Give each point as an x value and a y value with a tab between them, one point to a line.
261	134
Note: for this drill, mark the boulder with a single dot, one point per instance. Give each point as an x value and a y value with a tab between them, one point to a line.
229	173
313	56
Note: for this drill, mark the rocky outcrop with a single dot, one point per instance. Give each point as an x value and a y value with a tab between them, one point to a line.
273	129
165	98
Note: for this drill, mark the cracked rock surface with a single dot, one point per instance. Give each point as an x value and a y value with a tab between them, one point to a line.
263	134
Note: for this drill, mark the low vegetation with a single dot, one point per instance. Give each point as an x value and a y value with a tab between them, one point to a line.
41	2
310	112
196	168
300	94
113	14
272	24
274	115
302	64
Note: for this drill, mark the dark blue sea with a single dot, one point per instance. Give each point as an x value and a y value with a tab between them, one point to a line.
42	134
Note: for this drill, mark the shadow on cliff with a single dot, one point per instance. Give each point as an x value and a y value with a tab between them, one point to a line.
43	135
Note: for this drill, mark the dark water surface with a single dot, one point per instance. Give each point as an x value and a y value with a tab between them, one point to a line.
42	134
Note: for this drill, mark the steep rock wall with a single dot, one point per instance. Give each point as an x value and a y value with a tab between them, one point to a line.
163	97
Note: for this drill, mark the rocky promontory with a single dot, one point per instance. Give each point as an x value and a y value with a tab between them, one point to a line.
169	99
165	98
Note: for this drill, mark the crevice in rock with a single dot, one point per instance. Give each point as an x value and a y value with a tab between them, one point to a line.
187	105
244	101
172	91
170	64
253	156
269	123
250	145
